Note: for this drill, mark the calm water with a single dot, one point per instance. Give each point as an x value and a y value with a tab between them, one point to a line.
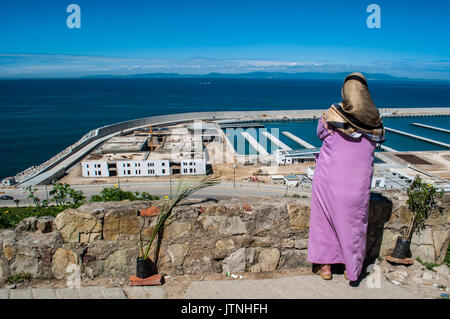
42	117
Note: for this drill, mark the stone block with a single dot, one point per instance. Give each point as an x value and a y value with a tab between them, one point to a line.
441	239
43	293
236	262
27	224
177	229
45	224
225	244
118	223
61	260
26	261
268	259
9	250
177	252
113	293
298	216
72	223
425	237
20	293
291	259
424	252
223	224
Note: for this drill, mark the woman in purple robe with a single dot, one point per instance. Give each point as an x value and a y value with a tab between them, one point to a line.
342	180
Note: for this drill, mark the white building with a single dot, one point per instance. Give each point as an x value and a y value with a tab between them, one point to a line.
194	166
132	165
143	168
310	173
8	181
291	180
94	169
287	157
378	182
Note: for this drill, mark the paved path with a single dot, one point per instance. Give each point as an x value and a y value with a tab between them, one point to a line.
294	287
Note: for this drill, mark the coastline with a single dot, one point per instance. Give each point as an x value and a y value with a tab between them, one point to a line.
71	155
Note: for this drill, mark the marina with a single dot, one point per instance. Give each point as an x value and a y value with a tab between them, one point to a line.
204	142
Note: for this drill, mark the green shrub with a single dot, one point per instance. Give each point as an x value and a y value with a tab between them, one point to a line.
112	194
11	216
18	278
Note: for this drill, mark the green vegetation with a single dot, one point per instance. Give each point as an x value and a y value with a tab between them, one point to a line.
422	199
11	216
428	265
62	196
296	196
18	278
115	193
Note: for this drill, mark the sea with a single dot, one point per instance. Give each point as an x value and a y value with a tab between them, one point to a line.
41	117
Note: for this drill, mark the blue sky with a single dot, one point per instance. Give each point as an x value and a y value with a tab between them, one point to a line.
126	37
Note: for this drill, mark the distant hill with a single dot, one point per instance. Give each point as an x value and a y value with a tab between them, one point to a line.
265	75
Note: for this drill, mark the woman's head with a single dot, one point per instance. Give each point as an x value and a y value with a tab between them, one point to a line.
357	102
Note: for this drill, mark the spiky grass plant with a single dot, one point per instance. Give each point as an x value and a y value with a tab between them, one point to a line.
185	188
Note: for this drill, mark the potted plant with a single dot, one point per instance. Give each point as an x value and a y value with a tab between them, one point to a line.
422	199
145	267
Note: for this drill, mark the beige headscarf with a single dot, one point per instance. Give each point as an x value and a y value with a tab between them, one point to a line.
357	113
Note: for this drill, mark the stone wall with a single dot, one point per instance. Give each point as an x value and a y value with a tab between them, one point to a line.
237	234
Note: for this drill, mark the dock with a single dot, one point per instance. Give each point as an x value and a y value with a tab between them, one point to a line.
421	138
440	129
253	142
241	125
297	140
388	149
276	141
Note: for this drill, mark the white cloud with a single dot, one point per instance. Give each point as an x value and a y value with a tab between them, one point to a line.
36	65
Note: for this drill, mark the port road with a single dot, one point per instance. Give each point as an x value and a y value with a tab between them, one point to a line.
162	188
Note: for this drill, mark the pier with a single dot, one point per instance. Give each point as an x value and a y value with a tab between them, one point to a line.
387	149
440	129
258	147
241	125
276	141
428	140
297	140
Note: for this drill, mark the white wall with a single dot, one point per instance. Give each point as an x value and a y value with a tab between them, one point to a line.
143	168
94	169
195	166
